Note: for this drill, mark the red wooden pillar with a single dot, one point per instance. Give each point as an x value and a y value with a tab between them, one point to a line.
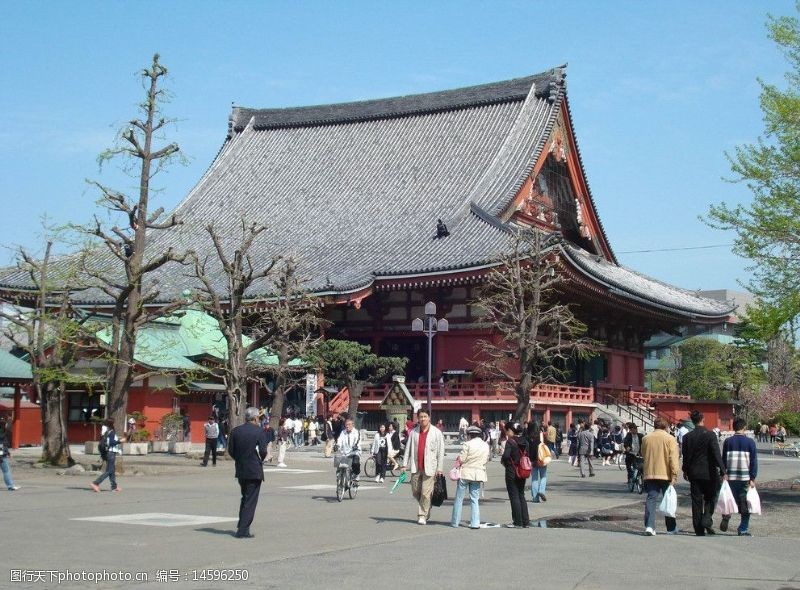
17	423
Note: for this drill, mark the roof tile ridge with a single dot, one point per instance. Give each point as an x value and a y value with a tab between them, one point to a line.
511	90
388	115
514	136
586	180
571	249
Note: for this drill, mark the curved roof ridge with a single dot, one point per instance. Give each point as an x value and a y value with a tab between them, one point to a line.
515	89
638	284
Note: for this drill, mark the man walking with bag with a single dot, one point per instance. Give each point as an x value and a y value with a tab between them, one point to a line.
424	457
660	452
702	467
248	447
741	461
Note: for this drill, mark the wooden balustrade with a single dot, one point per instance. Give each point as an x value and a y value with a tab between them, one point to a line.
486	391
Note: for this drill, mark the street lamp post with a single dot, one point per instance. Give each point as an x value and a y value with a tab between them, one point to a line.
430	326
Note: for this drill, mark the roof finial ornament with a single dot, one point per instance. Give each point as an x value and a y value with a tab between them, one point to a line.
441	229
230	119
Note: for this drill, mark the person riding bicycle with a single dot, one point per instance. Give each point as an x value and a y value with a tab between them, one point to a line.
633	448
348	447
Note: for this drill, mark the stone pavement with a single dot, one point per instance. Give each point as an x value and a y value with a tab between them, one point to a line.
305	538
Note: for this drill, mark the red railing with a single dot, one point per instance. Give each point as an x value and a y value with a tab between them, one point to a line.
485	391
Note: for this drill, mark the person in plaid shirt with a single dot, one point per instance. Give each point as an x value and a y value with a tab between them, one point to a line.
741	462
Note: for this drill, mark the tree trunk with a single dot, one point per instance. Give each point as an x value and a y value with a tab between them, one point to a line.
237	386
278	398
779	359
55	450
523	391
117	408
355	389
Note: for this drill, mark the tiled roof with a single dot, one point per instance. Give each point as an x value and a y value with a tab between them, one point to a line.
13	369
353	191
360	198
171	343
630	284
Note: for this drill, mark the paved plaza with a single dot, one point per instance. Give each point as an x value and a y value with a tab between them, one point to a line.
182	524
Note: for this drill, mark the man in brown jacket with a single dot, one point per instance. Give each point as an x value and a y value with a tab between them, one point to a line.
660	452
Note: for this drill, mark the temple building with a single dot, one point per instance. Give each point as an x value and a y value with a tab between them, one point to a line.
387	204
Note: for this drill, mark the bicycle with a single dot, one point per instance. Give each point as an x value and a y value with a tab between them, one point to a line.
636	482
371	467
345	480
788	449
619	459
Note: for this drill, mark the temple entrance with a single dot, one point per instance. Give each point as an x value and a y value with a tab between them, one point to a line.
414	348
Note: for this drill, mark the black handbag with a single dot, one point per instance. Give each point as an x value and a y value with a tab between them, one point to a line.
439	490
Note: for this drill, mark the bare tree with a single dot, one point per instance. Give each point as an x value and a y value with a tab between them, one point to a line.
44	324
290	327
121	273
226	304
533	334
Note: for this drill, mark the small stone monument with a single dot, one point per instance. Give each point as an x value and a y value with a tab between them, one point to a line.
398	400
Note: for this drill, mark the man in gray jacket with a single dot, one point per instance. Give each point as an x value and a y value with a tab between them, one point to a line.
585	448
424	457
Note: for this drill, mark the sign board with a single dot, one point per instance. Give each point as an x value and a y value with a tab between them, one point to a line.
311	394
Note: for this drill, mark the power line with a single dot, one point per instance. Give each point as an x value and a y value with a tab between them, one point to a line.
676	249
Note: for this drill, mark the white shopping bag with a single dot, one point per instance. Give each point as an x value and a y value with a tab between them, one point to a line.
669	503
753	501
726	503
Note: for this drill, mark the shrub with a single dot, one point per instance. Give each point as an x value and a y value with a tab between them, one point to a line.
140	435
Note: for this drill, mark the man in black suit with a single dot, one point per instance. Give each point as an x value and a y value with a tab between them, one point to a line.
248	446
702	468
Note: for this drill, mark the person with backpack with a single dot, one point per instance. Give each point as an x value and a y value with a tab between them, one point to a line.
518	468
539	469
110	446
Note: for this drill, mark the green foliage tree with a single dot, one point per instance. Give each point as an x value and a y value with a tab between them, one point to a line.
53	334
353	365
707	369
768	229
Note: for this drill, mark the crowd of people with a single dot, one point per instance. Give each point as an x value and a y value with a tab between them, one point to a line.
771	433
525	450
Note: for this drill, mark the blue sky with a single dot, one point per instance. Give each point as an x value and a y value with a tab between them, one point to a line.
659	91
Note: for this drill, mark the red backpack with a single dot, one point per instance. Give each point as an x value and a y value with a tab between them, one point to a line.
523	468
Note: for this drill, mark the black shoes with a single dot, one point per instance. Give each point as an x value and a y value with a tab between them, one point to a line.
244	535
723	525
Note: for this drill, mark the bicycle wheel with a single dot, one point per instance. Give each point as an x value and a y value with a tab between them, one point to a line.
340	485
353	489
639	484
370	467
620	461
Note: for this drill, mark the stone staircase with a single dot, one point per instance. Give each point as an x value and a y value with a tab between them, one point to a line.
615	410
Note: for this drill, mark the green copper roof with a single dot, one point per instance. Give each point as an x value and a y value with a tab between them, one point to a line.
176	341
13	369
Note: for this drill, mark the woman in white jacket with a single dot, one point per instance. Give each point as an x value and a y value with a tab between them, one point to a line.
473	458
381	448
